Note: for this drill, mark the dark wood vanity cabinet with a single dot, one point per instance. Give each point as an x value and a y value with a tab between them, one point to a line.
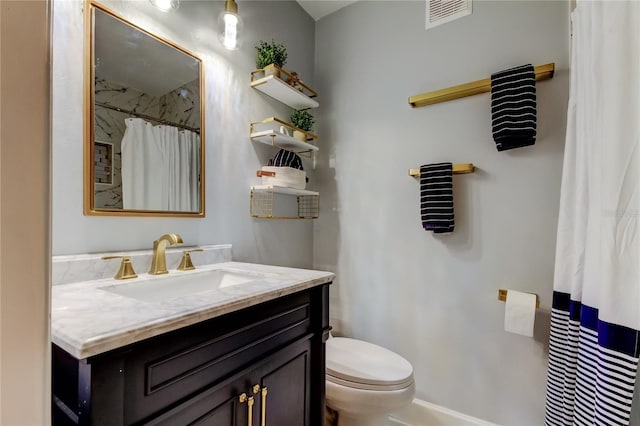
198	374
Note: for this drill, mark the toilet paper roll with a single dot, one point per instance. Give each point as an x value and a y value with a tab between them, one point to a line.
520	312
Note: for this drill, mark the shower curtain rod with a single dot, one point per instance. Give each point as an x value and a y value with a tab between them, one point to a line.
147	117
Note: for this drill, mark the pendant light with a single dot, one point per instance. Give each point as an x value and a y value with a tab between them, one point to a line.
229	24
165	5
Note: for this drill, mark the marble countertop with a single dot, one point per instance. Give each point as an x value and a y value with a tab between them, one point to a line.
87	320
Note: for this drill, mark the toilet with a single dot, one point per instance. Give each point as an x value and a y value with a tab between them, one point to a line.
365	382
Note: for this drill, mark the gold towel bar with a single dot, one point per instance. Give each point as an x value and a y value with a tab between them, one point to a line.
543	72
458	169
502	295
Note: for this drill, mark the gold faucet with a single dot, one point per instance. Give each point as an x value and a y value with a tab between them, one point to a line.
159	260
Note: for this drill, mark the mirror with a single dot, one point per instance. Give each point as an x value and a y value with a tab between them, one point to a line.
144	133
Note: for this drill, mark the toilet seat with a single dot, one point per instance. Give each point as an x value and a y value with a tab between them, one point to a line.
362	365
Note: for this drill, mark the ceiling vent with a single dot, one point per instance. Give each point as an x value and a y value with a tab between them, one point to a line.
443	11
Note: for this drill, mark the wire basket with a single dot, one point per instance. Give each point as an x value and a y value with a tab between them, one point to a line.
275	203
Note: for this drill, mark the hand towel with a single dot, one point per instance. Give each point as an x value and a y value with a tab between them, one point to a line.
436	197
513	107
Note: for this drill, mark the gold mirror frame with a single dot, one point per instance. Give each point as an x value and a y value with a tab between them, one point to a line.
89	117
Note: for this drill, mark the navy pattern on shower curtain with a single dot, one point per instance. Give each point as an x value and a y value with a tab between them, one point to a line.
592	367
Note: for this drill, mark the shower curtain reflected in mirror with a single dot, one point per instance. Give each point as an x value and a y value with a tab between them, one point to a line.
160	167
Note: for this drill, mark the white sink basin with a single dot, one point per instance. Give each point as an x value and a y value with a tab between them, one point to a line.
175	285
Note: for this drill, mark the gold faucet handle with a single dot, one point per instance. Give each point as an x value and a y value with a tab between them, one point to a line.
126	268
185	263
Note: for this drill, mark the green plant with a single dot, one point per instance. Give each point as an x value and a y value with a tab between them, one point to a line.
271	53
302	120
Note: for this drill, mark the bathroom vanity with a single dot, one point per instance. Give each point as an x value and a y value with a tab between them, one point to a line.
244	353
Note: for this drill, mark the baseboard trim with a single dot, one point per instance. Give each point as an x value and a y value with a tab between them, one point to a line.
423	413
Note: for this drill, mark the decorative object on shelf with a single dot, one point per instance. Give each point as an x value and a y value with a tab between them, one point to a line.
303	120
230	25
295	82
284	131
270	54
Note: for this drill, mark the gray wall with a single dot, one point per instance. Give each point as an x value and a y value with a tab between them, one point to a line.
231	158
431	299
434	299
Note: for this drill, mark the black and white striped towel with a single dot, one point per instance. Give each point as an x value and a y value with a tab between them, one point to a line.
436	197
286	158
513	107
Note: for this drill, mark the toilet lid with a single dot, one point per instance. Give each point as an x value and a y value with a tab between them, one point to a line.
363	363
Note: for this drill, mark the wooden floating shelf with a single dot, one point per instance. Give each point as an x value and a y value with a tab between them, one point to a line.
543	72
458	169
268	132
270	137
283	92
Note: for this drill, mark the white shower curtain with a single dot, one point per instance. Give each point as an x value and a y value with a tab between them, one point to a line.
160	168
594	344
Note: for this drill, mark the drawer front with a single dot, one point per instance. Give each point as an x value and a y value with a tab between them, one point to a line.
169	369
285	373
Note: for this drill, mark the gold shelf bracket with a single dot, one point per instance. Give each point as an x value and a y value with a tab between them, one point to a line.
458	169
543	72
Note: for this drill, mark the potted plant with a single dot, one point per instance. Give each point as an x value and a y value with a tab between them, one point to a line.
270	54
303	120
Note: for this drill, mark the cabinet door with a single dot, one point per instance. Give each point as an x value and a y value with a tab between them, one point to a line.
167	370
219	406
284	375
286	378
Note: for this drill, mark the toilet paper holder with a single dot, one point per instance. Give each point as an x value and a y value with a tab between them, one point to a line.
502	295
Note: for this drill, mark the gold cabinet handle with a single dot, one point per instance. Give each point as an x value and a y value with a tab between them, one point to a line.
250	412
250	402
264	407
243	398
